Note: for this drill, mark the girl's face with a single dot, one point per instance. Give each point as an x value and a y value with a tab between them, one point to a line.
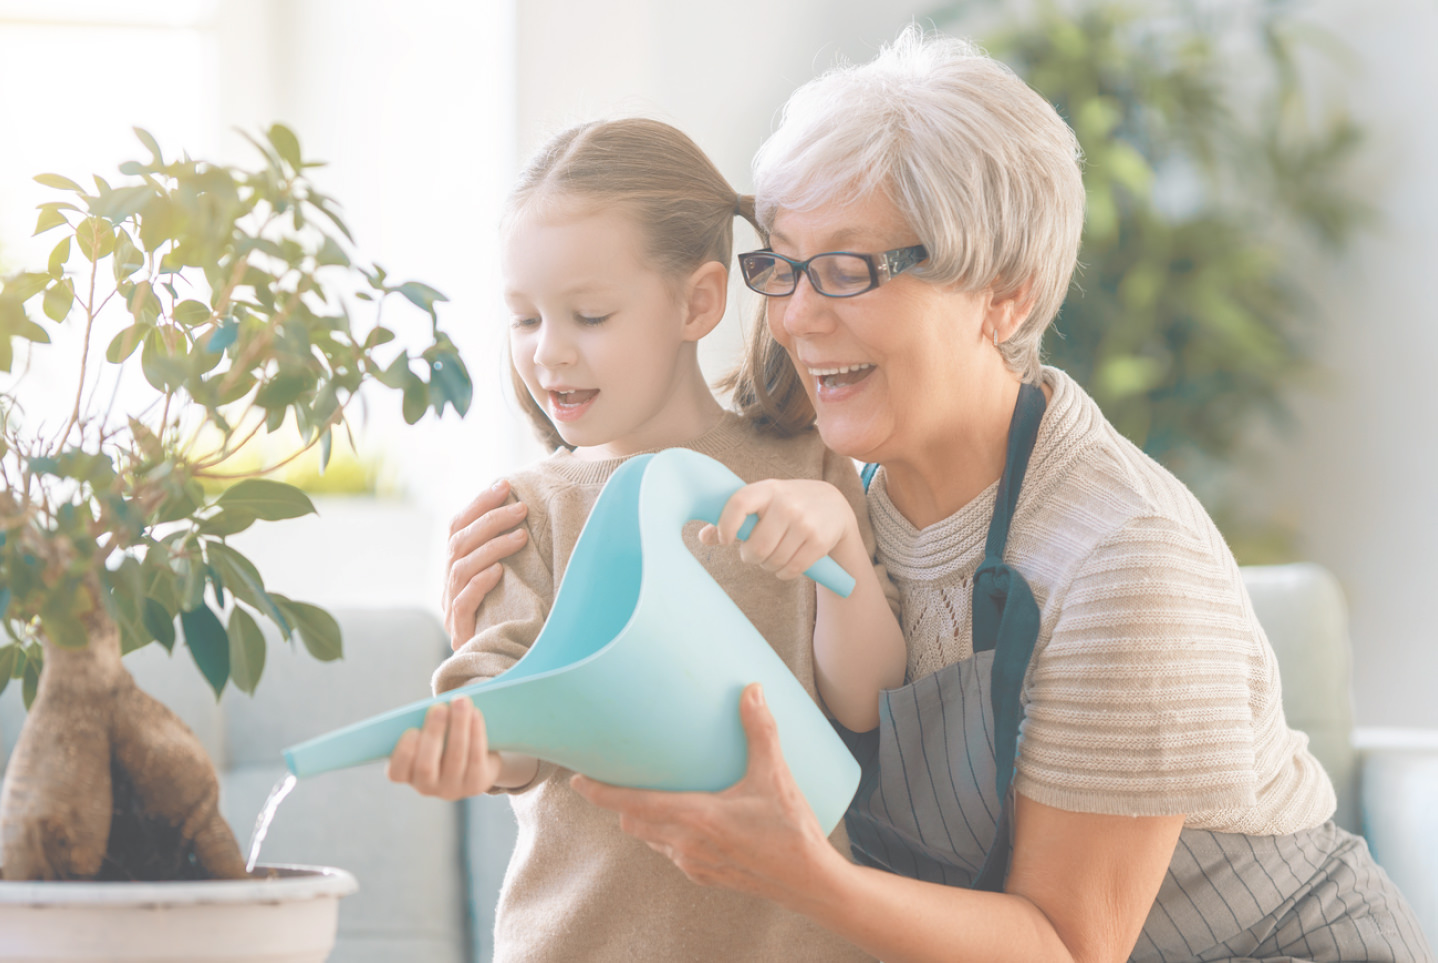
602	341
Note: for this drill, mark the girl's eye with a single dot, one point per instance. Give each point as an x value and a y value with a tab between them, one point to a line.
523	322
587	319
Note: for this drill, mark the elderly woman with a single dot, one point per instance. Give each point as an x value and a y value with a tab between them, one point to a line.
1089	760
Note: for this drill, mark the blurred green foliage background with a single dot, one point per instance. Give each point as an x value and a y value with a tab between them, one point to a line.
1215	171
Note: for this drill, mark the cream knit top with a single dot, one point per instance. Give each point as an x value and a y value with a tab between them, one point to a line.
577	887
1152	689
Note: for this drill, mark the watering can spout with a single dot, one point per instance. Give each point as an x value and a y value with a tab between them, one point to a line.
636	677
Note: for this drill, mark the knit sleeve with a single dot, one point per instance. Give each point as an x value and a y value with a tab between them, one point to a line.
840	472
1143	701
510	618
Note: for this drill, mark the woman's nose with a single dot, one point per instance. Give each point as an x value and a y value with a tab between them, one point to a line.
806	311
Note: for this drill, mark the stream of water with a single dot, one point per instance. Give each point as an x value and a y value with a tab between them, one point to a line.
267	816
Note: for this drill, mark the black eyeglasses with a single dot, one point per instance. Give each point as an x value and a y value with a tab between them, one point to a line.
834	274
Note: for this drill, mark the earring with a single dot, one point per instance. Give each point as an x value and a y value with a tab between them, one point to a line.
996	337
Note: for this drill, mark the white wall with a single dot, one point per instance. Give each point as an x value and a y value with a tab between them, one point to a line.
1360	477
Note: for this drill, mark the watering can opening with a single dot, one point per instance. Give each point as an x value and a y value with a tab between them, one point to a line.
597	600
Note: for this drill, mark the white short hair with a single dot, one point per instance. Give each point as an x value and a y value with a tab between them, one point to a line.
978	163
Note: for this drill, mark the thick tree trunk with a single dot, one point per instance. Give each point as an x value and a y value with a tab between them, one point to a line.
106	782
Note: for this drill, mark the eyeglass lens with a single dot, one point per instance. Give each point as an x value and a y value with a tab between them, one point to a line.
829	273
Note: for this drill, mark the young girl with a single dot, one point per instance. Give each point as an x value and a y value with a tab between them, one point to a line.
615	252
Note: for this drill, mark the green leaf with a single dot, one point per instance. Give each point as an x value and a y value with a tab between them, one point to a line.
4	600
266	499
286	144
416	401
9	655
127	259
209	644
124	344
282	389
59	183
318	629
164	371
31	684
159	623
58	299
331	253
157	222
247	651
95	237
150	143
449	383
24	286
49	219
190	313
377	337
226	523
244	581
58	256
421	295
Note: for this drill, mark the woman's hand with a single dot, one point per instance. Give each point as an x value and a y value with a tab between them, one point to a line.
759	836
480	536
800	521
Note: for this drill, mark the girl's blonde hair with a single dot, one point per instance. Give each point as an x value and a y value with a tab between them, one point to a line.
648	171
982	168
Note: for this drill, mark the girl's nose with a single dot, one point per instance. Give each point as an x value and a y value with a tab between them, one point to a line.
552	347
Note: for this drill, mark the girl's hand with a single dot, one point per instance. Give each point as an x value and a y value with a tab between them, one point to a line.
800	521
480	536
759	836
449	757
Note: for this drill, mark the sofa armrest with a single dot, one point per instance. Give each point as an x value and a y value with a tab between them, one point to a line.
1399	778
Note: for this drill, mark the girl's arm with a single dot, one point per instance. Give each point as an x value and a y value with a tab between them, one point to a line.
1079	889
858	646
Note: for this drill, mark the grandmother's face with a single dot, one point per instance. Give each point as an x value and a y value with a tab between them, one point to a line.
887	371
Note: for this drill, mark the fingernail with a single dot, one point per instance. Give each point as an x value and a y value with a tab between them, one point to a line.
499	485
759	695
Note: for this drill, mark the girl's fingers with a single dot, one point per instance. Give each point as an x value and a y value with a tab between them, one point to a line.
455	756
400	767
431	747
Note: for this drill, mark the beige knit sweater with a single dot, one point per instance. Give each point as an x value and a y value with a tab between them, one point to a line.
1152	689
577	887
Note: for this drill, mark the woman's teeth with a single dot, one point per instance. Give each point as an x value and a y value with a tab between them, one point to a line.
841	374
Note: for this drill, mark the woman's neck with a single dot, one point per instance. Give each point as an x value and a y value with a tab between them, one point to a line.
954	465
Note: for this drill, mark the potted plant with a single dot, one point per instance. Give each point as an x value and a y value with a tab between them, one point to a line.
224	293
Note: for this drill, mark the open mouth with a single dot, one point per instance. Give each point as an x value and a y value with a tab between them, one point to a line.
841	376
568	405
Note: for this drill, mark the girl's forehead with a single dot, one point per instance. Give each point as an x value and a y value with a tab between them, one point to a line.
553	250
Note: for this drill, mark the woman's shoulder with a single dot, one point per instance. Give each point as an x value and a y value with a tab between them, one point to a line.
1092	491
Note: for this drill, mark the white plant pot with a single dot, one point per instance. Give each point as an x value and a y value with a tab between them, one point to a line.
289	918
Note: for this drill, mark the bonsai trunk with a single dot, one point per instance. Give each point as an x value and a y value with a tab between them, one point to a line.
108	783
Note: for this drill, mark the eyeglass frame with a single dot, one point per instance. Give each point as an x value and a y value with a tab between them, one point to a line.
883	267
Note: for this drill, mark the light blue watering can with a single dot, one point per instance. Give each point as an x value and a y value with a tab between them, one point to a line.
636	677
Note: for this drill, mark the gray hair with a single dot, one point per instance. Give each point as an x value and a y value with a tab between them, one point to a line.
980	166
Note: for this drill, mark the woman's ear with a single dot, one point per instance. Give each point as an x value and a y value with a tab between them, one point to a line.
1006	312
707	292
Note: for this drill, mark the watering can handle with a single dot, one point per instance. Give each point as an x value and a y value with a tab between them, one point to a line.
826	571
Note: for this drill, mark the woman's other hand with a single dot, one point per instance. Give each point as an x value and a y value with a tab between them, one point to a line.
800	521
480	536
759	836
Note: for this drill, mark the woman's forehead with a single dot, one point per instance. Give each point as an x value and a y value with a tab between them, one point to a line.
861	223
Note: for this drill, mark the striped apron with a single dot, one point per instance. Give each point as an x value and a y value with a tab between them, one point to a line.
934	801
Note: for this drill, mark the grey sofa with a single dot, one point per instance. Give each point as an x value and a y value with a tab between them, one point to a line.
430	871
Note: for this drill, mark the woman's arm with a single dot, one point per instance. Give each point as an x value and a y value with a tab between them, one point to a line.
1080	886
858	646
482	535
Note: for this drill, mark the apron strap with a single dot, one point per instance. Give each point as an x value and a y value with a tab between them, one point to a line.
1006	620
867	474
